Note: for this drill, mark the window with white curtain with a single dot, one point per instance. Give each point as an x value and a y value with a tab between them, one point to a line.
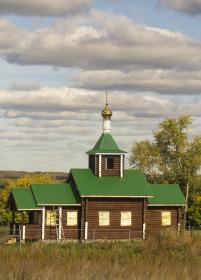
104	218
126	219
71	218
166	218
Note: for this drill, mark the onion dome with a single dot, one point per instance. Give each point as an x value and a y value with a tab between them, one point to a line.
107	112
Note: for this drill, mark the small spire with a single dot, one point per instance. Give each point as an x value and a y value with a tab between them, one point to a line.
106	114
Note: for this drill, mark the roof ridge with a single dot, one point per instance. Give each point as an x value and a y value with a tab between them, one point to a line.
49	184
164	184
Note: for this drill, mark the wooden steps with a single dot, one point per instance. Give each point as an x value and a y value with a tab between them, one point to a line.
9	239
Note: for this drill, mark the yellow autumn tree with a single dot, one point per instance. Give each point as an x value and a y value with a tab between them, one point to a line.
26	181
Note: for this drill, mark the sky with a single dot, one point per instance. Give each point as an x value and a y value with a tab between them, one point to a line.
58	59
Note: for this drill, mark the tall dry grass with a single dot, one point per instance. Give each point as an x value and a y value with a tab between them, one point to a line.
157	258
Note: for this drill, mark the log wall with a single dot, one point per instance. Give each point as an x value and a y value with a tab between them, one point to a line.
70	232
33	232
94	165
154	221
111	172
114	230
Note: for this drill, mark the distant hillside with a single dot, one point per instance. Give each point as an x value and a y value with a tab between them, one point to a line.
11	175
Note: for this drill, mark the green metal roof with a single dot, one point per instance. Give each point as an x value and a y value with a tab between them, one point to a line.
24	199
133	184
54	194
166	195
106	144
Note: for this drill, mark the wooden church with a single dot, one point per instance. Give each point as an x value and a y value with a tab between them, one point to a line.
103	201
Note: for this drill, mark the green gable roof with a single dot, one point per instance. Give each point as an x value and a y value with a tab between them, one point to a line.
166	195
24	199
133	184
106	144
54	194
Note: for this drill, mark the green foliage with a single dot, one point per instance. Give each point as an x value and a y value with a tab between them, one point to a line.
195	210
5	216
144	156
171	156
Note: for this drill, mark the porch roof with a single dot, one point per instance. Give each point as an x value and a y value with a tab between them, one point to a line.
24	199
133	184
54	194
166	194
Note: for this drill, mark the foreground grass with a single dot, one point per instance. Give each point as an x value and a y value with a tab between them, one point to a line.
158	258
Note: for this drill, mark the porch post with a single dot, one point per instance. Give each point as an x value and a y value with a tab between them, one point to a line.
23	232
144	231
86	231
121	166
86	226
43	224
60	221
144	219
99	165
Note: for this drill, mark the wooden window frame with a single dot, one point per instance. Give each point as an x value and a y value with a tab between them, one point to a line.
163	223
121	223
67	221
106	163
99	219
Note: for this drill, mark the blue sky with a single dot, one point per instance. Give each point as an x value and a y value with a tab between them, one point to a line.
57	62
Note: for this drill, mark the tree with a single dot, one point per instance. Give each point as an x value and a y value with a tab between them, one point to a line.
171	157
195	210
26	181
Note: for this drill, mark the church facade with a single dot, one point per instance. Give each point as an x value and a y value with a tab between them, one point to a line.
104	201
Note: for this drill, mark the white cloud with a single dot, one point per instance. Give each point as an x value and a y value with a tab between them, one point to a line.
191	7
148	80
43	7
112	42
112	52
62	123
59	107
17	41
52	128
74	104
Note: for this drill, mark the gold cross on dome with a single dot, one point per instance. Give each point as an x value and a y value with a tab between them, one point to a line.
106	98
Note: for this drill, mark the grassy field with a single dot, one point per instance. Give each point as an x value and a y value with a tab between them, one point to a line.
158	258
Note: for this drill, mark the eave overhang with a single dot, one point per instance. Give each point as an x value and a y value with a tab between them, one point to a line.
158	205
59	204
116	196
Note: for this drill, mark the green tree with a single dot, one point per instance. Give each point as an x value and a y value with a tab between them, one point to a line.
195	210
171	157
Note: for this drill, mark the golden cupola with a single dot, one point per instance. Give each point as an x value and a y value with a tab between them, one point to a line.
107	112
